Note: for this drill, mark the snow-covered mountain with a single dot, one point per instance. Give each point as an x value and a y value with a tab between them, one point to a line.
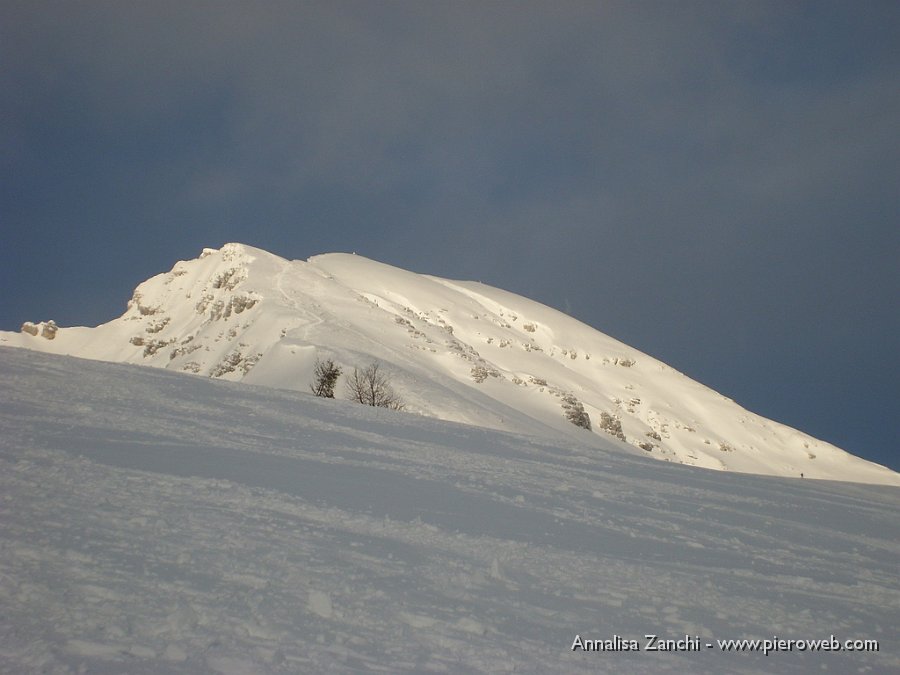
455	350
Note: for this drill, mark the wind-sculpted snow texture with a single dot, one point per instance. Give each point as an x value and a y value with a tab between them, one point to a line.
157	523
457	351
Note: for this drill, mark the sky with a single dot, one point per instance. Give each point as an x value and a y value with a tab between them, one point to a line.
713	183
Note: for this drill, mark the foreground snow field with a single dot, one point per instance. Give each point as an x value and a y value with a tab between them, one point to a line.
153	522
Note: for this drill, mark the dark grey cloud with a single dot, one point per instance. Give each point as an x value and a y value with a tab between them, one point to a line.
712	182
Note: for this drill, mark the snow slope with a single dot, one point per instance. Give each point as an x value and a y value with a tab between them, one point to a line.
457	351
156	523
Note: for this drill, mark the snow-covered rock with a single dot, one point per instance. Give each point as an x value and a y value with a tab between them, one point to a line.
455	350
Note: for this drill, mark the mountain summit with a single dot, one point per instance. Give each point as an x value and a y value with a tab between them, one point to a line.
455	350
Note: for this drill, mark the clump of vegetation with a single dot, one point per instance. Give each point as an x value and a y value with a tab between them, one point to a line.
325	377
481	372
371	386
612	425
575	412
235	361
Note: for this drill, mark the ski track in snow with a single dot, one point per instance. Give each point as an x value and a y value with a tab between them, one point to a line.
312	318
152	522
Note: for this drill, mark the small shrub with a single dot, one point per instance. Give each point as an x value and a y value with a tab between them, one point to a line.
612	425
575	412
325	377
372	387
481	372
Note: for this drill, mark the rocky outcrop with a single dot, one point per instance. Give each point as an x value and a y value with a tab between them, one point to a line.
46	329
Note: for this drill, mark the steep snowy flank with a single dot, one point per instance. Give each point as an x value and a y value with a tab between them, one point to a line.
458	351
156	523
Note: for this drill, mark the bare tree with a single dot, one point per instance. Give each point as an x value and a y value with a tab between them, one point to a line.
372	387
325	377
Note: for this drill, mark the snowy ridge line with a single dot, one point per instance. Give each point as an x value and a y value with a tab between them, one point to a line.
455	350
156	523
